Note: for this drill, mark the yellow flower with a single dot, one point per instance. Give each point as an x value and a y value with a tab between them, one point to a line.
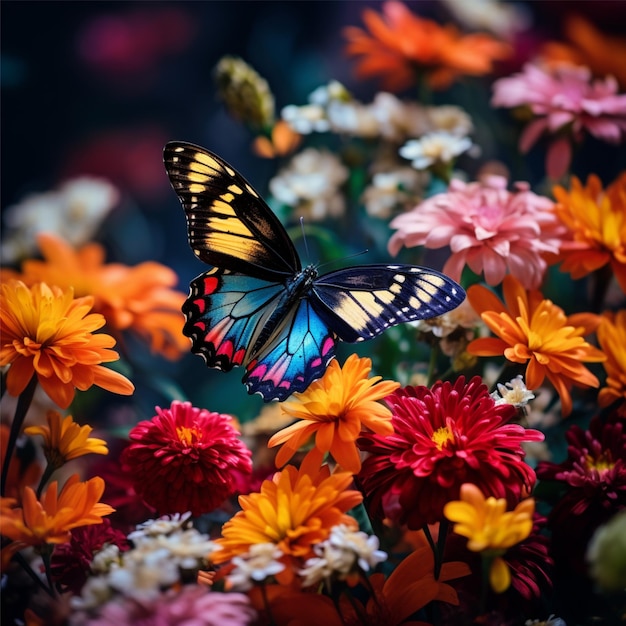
336	408
612	339
49	520
47	333
294	511
536	331
490	528
65	440
596	219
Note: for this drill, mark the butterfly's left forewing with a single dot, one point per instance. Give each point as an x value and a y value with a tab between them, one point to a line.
360	303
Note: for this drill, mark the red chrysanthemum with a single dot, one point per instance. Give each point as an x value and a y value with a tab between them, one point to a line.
595	477
71	562
444	437
185	459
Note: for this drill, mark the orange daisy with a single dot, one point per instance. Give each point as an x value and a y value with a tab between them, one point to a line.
50	519
335	409
295	510
596	220
137	298
65	440
400	45
612	339
49	334
536	331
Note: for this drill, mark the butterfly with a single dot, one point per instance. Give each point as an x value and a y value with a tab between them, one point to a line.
258	307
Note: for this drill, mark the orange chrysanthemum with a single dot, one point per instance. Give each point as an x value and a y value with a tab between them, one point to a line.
400	45
47	333
596	219
612	339
536	331
65	440
137	298
50	519
283	140
336	408
295	510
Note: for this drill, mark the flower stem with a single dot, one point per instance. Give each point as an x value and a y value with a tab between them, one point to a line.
432	365
266	602
45	557
23	403
50	469
29	570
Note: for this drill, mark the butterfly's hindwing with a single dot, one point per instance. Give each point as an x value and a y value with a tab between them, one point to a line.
225	313
362	302
229	224
298	354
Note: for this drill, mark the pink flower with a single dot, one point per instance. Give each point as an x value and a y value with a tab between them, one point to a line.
191	606
487	227
563	98
186	459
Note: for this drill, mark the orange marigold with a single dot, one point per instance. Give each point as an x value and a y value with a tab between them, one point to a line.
294	510
596	219
137	298
612	339
47	333
336	408
400	45
536	331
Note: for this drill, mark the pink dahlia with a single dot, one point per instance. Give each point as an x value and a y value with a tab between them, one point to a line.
487	227
566	103
444	437
186	459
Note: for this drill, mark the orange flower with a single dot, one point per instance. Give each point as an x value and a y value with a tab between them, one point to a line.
336	408
137	298
536	331
596	220
284	140
612	339
65	440
49	520
295	510
400	45
47	333
409	588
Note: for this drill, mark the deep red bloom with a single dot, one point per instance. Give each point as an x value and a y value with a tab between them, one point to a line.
185	459
594	475
444	437
70	564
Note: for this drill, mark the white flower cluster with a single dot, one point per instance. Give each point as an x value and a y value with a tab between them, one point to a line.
341	554
165	552
261	562
74	212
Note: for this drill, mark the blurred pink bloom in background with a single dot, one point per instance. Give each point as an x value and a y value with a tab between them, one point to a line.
487	227
566	103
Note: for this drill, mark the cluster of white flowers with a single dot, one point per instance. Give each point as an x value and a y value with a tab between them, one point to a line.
165	552
74	211
342	553
311	183
261	562
432	148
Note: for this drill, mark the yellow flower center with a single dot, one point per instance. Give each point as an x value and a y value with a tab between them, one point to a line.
188	436
602	463
441	436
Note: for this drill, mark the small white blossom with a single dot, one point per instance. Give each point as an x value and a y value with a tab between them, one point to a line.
261	562
436	147
514	392
306	119
162	526
450	119
393	189
105	558
551	621
331	92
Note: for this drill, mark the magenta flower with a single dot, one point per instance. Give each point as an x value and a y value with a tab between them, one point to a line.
488	228
443	437
186	459
566	103
193	605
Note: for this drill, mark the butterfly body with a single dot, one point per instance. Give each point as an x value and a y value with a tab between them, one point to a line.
257	307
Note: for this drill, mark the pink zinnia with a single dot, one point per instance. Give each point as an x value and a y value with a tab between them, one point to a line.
563	98
186	459
444	437
487	227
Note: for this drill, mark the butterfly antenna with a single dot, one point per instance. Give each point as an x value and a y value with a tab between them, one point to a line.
344	258
306	245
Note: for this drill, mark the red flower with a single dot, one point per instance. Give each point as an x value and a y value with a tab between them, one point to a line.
444	437
185	459
595	477
70	564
